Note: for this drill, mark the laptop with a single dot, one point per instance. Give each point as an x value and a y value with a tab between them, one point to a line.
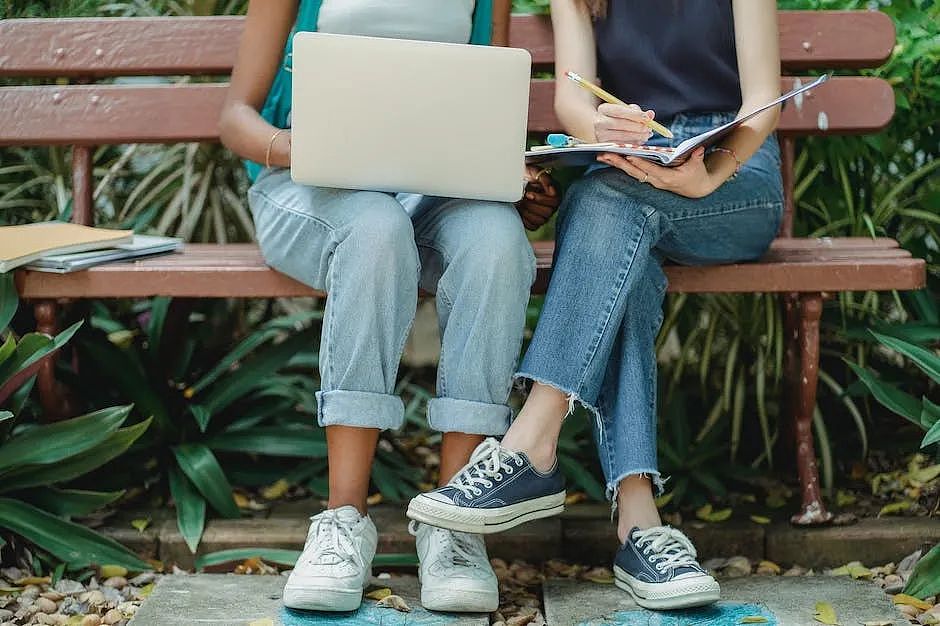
395	115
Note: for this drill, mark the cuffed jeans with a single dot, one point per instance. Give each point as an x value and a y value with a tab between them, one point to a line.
595	338
371	256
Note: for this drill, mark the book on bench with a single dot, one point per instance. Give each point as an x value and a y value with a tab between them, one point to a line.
141	246
585	153
25	243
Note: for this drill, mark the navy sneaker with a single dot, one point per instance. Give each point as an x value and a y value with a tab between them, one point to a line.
497	490
658	568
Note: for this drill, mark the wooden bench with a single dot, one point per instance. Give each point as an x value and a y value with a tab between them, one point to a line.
85	114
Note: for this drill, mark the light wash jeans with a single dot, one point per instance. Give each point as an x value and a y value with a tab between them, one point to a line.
595	338
371	256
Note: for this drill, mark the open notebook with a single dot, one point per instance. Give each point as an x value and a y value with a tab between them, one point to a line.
584	153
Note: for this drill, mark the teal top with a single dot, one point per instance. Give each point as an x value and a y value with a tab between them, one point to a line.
278	103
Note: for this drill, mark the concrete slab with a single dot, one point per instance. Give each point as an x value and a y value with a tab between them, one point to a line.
782	601
228	600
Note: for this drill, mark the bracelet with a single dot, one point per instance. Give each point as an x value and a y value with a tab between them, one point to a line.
734	155
267	154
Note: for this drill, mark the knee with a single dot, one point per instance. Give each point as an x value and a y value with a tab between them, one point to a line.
381	231
497	248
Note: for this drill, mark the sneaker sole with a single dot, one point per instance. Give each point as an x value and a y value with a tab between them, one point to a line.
318	599
679	594
484	521
459	600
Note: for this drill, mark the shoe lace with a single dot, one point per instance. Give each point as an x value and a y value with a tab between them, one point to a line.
487	464
666	547
333	540
459	548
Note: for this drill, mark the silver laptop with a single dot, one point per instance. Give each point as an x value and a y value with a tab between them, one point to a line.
409	116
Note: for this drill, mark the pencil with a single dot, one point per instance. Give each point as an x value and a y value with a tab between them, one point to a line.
612	99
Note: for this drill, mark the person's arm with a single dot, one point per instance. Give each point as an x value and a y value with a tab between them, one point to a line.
577	108
243	130
758	49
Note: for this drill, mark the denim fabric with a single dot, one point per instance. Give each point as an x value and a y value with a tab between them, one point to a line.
595	338
372	257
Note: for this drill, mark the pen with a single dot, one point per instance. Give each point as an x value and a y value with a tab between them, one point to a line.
607	97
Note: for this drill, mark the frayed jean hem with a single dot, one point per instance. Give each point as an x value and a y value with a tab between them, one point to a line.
573	397
613	487
362	409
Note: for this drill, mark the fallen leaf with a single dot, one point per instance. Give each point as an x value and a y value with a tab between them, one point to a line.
760	519
894	508
575	498
155	564
378	594
600	575
879	622
845	498
75	620
706	514
146	590
374	499
394	602
664	499
267	621
10	589
769	565
926	474
241	500
108	571
825	614
33	580
859	571
903	598
140	524
753	619
275	491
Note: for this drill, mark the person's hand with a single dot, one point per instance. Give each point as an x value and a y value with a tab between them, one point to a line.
691	179
621	124
540	200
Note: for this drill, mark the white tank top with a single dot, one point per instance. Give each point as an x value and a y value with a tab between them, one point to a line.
428	20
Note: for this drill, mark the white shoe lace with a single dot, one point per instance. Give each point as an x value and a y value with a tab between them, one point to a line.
487	464
333	540
666	547
458	548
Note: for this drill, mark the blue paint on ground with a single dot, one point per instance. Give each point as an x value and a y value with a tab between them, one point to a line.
721	614
367	615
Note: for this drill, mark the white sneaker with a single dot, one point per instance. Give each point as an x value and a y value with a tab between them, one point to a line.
454	571
336	563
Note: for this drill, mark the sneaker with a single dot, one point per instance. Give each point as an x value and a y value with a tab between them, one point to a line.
497	490
454	571
658	568
336	563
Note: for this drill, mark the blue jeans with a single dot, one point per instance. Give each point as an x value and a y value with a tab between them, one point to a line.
372	255
595	338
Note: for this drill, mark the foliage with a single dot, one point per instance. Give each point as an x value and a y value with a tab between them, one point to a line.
925	580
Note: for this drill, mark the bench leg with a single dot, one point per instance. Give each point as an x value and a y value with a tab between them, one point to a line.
785	459
53	396
813	509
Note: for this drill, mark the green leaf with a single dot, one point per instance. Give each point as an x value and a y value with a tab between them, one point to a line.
904	404
272	441
68	502
32	349
201	415
73	467
158	311
930	414
925	579
190	508
5	415
581	476
926	360
75	544
932	436
52	443
255	371
8	348
9	300
271	555
201	466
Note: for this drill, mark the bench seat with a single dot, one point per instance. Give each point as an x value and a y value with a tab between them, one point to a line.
238	271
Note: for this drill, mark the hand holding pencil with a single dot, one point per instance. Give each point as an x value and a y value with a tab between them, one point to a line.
614	106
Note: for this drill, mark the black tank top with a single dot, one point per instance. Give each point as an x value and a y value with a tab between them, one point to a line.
672	56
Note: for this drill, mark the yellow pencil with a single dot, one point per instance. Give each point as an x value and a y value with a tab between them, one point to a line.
612	99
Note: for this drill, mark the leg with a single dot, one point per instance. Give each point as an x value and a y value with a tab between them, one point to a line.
813	510
456	449
350	450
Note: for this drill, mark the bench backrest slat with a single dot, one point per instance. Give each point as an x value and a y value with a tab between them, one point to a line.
98	47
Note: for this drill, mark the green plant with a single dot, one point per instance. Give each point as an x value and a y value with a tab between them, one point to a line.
212	409
925	579
37	463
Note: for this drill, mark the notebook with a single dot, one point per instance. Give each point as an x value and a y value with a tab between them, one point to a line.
584	153
141	246
23	244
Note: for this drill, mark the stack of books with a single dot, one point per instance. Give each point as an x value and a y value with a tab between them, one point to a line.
61	247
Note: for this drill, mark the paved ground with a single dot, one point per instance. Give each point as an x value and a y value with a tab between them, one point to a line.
228	600
782	601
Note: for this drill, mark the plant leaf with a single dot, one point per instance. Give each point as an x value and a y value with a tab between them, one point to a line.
904	404
825	614
52	443
273	440
73	467
907	600
925	579
932	436
8	348
201	415
9	299
201	466
75	544
926	360
190	508
272	555
34	347
68	502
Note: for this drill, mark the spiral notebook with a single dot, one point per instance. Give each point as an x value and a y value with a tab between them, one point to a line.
584	153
